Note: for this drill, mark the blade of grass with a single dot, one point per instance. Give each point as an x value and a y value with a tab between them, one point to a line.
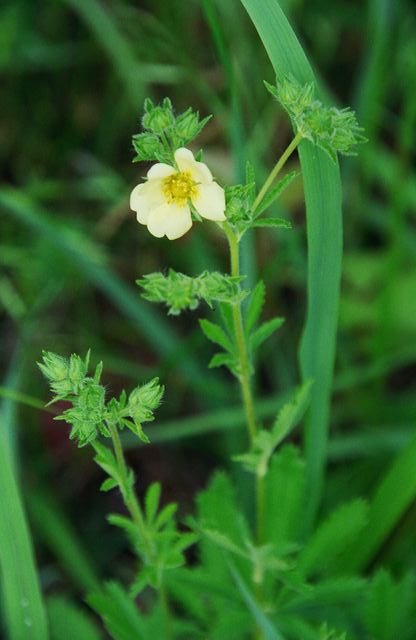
52	526
23	606
102	24
393	497
269	632
323	197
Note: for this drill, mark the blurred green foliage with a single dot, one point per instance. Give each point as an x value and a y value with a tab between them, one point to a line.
74	75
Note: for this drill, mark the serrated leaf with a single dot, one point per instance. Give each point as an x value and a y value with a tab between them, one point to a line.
336	591
185	541
275	192
227	316
264	331
220	360
108	484
255	306
272	222
118	612
151	501
217	335
284	499
291	413
105	459
165	515
389	607
224	542
332	537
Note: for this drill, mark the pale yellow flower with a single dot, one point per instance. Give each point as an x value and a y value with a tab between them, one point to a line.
163	201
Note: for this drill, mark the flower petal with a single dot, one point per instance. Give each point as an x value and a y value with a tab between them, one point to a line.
160	170
186	162
145	197
169	220
210	202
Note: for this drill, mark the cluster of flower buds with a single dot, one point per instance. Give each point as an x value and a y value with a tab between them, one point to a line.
179	291
333	130
90	414
164	131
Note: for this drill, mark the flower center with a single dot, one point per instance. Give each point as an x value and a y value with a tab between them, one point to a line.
179	188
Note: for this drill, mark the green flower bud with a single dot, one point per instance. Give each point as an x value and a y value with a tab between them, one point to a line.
53	367
333	130
87	413
158	119
144	400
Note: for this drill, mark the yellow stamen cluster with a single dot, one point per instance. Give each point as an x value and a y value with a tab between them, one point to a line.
179	188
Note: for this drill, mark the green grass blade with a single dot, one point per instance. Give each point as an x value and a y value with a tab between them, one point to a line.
23	607
98	19
69	621
268	632
51	525
323	196
393	497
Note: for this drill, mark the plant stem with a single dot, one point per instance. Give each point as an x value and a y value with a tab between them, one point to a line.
276	169
129	496
244	361
260	503
133	506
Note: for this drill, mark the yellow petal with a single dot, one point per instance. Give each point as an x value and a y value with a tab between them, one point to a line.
169	220
186	162
210	202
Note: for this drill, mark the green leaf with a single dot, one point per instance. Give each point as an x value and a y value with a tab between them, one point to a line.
151	501
272	222
22	599
165	515
393	496
217	335
291	413
264	331
125	523
340	592
274	193
218	511
226	311
332	537
389	610
108	484
255	306
284	499
119	613
322	187
222	360
68	621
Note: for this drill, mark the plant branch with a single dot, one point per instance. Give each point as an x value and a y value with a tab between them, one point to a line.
276	169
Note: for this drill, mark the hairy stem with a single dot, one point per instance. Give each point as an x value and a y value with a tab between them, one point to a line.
129	497
276	169
244	360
